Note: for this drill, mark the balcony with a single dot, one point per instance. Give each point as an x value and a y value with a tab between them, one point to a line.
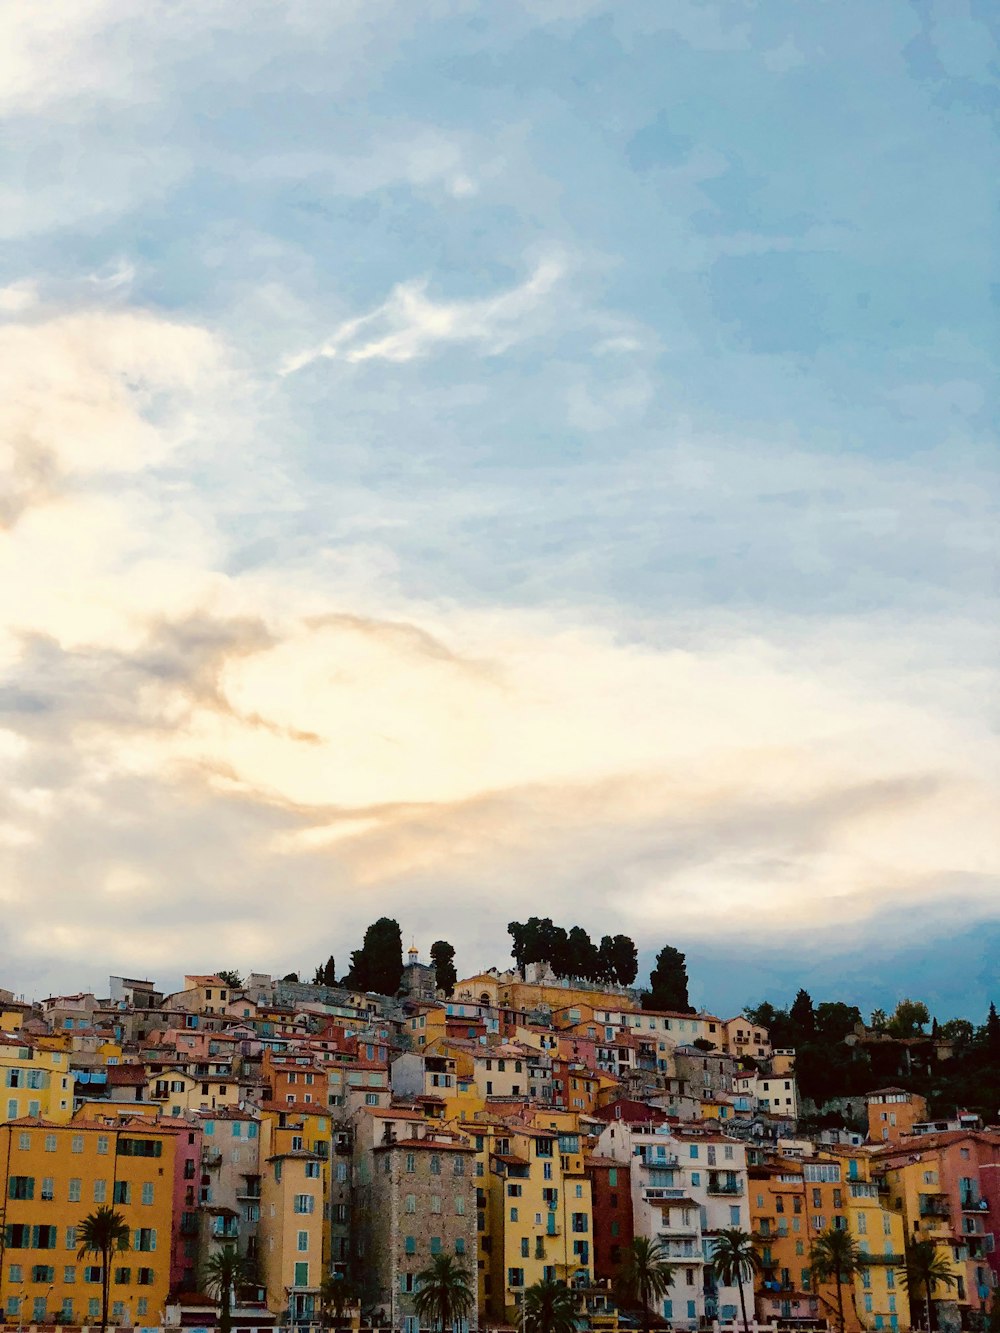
934	1205
724	1185
650	1157
973	1203
211	1157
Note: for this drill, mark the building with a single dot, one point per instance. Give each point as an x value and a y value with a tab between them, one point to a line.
416	1198
56	1175
892	1113
36	1082
686	1185
611	1206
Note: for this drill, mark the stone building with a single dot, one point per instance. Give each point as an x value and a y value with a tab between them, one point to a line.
416	1198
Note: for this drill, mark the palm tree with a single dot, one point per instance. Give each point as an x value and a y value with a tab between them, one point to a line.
103	1233
337	1293
224	1271
444	1294
549	1307
646	1275
735	1261
925	1267
836	1255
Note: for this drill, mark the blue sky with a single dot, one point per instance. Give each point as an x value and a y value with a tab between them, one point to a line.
467	458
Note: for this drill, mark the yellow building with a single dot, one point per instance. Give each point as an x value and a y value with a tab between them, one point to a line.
917	1191
55	1175
534	1211
35	1082
290	1238
178	1093
841	1193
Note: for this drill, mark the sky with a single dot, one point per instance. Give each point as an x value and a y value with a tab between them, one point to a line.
462	461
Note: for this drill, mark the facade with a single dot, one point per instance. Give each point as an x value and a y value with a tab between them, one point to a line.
58	1174
686	1185
611	1204
416	1198
892	1114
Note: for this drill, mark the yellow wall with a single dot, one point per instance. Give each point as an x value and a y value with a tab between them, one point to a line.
51	1100
79	1166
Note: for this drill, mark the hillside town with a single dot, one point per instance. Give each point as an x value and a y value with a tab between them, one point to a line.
268	1152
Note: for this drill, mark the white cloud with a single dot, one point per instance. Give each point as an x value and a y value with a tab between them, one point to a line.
409	324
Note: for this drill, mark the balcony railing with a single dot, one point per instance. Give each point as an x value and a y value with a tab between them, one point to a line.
724	1186
974	1203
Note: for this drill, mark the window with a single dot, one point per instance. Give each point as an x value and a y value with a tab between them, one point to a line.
92	1273
459	1205
312	1170
50	1143
411	1162
513	1214
71	1238
123	1276
410	1245
435	1164
411	1203
515	1277
100	1191
145	1238
147	1192
435	1244
122	1192
303	1240
21	1187
69	1273
435	1203
102	1144
304	1203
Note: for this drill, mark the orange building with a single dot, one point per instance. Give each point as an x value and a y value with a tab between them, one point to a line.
892	1112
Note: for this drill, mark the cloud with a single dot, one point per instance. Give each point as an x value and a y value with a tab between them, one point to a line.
409	324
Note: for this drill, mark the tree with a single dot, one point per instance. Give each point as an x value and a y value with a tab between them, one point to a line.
549	1307
879	1020
908	1019
104	1233
925	1269
836	1257
445	1294
224	1272
993	1033
958	1030
291	976
803	1018
646	1275
624	959
836	1020
668	983
582	957
338	1294
231	977
735	1261
378	965
443	958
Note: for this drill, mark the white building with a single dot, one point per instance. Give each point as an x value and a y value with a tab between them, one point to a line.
687	1184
